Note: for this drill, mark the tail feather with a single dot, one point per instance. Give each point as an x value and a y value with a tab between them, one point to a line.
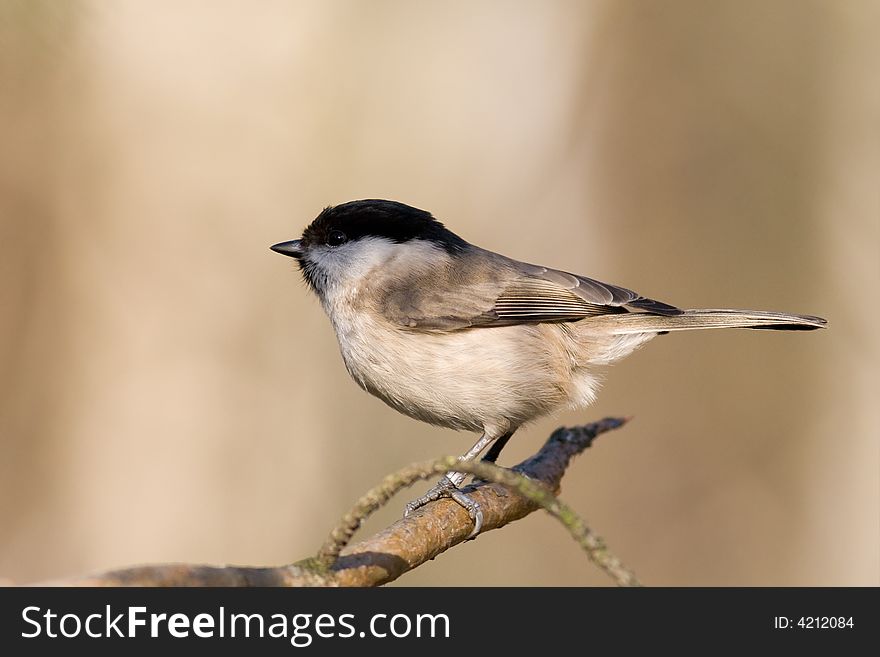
710	318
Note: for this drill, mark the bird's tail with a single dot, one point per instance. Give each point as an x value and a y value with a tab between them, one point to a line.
710	318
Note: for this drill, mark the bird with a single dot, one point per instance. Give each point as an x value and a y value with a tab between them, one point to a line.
461	337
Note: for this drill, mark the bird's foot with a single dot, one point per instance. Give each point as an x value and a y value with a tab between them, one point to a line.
447	488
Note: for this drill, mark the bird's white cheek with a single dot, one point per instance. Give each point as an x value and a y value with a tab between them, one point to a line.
359	267
349	264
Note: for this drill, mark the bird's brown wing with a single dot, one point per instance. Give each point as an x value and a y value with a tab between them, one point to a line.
497	291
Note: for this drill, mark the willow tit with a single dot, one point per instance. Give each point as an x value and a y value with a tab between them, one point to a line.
449	333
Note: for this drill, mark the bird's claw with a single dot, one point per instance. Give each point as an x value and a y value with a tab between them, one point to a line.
446	488
473	509
442	489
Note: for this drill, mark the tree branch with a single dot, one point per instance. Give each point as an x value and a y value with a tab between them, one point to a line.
504	496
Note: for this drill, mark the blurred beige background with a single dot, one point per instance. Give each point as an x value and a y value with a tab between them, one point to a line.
169	391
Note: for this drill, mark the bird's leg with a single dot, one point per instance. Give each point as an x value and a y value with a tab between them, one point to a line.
495	451
448	487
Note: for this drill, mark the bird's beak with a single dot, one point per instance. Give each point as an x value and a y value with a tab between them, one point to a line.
291	248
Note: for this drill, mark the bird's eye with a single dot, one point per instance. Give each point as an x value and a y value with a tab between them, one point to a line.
336	237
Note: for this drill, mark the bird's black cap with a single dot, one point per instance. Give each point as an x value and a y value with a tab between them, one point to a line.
391	220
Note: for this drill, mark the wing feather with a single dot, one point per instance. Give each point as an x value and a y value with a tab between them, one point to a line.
509	292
